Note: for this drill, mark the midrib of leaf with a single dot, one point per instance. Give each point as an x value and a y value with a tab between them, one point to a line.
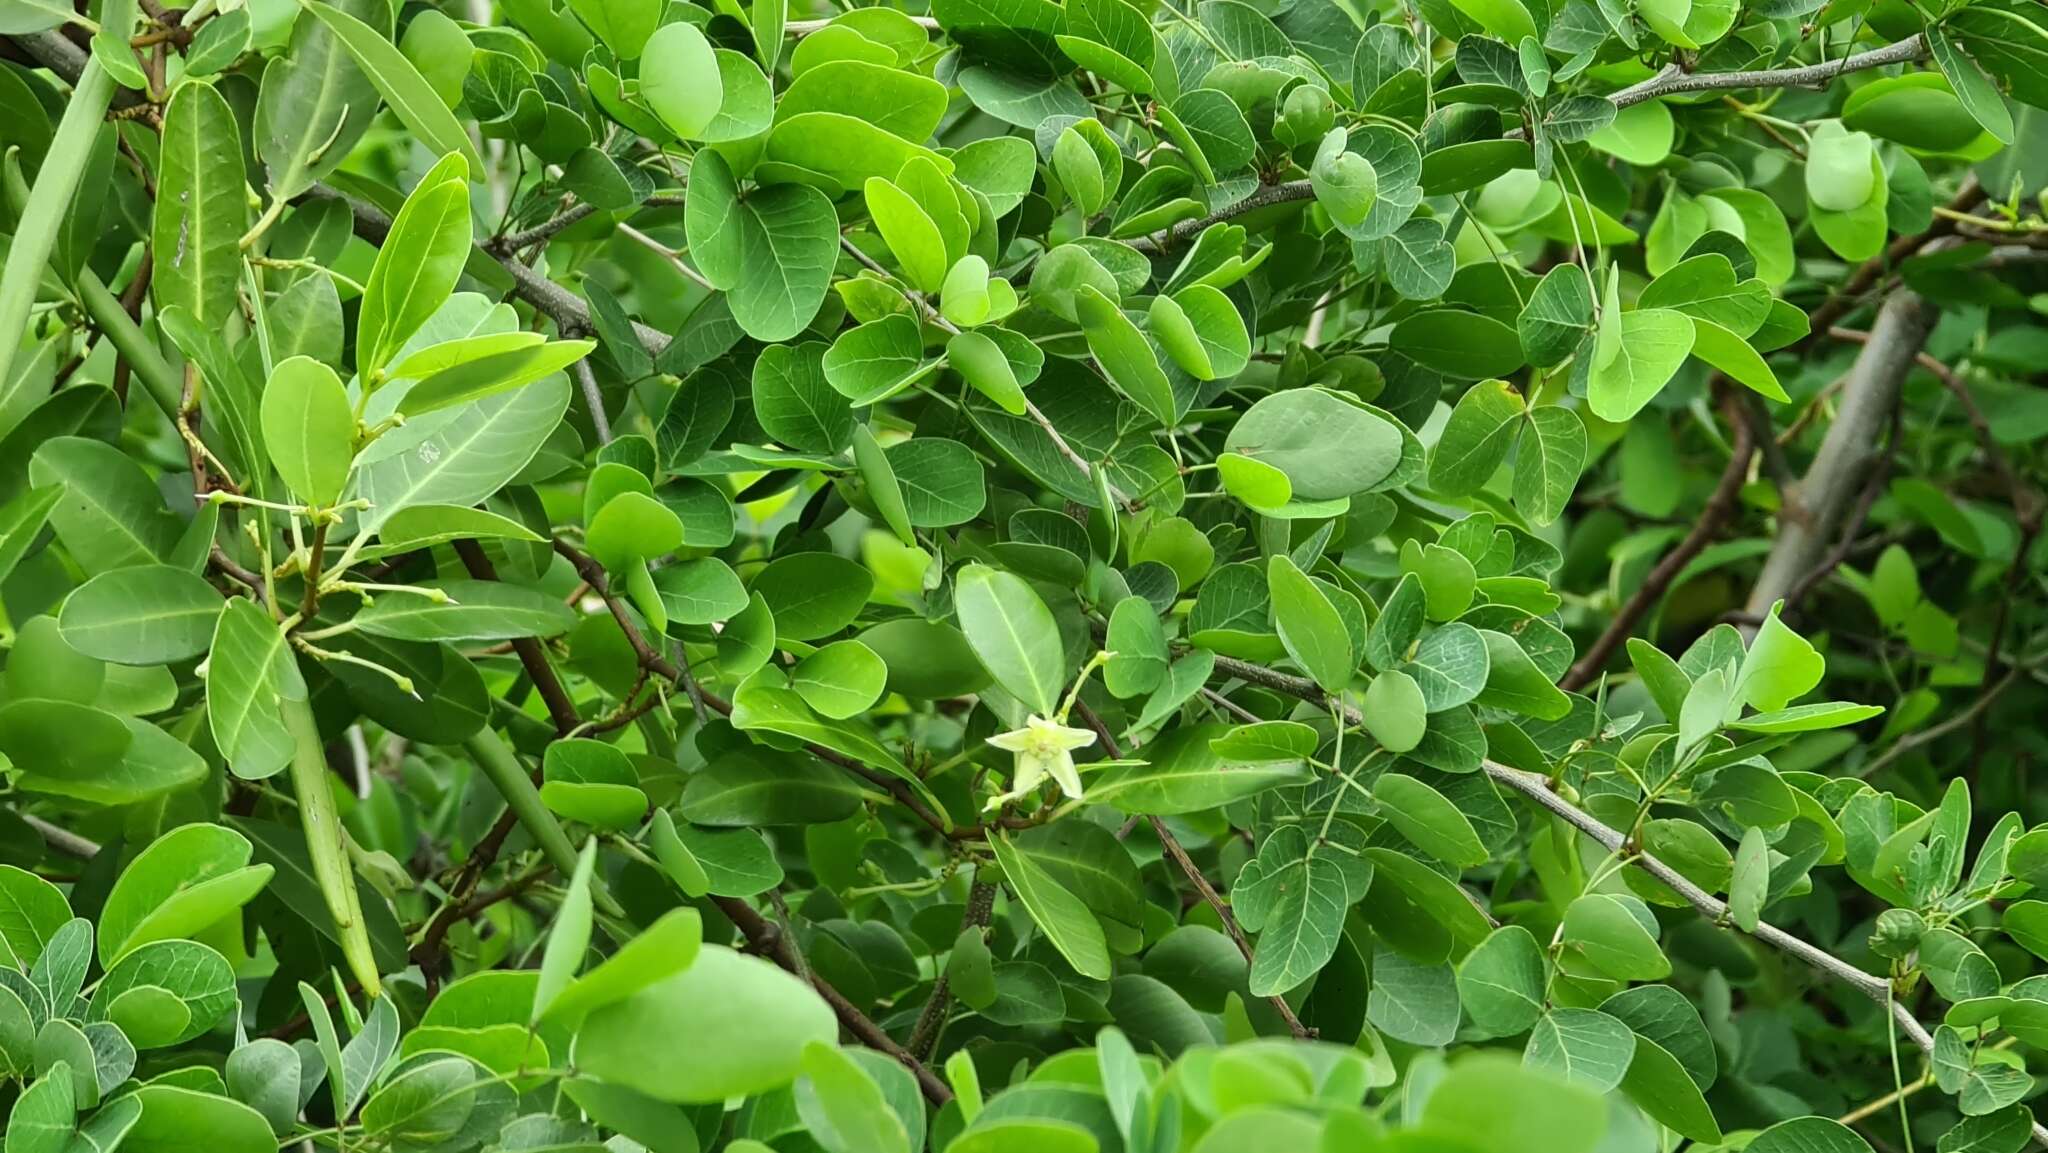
192	219
452	452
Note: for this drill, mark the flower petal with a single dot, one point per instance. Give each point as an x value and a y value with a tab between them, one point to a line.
1062	769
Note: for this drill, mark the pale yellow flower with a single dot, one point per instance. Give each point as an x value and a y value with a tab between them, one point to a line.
1044	748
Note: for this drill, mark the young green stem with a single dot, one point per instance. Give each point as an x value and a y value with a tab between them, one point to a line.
314	787
502	768
48	201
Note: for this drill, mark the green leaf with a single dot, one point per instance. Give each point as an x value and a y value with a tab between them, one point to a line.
981	361
147	615
874	361
700	591
1013	634
1491	1101
911	234
1752	877
184	882
463	460
1661	1087
422	257
187	970
1066	922
1781	666
309	429
1125	355
1184	773
31	912
424	526
171	1114
315	104
1638	354
624	25
794	403
1501	983
1807	718
1640	134
1302	925
1328	447
569	937
772	251
1393	711
249	674
1427	817
1557	316
1309	626
1137	642
1976	90
1735	358
1476	439
856	1117
1584	1045
813	594
1808	1135
756	786
941	480
466	611
487	375
1462	344
109	515
402	86
1202	331
1839	175
841	680
1606	933
200	207
721	993
1550	455
1345	183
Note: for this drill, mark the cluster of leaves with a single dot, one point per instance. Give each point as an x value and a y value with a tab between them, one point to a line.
1017	576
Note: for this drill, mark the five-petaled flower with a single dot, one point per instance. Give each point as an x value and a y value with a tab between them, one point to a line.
1044	748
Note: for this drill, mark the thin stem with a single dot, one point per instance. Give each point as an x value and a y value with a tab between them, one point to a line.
1719	507
502	768
313	786
1674	79
1198	879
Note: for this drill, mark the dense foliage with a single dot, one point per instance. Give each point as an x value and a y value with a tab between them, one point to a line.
1006	577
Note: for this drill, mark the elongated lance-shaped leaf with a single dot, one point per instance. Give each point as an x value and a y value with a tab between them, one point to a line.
51	197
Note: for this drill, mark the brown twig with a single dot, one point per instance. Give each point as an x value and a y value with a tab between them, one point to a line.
131	301
924	1036
1720	506
594	575
767	939
534	658
1195	876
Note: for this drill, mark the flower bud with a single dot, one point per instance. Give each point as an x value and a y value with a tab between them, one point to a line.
1897	934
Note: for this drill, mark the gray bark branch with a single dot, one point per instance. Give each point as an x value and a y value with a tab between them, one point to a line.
1848	451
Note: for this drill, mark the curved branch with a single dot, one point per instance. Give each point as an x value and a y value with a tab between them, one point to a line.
1538	789
1719	507
1197	878
1265	196
1838	469
767	939
1673	80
